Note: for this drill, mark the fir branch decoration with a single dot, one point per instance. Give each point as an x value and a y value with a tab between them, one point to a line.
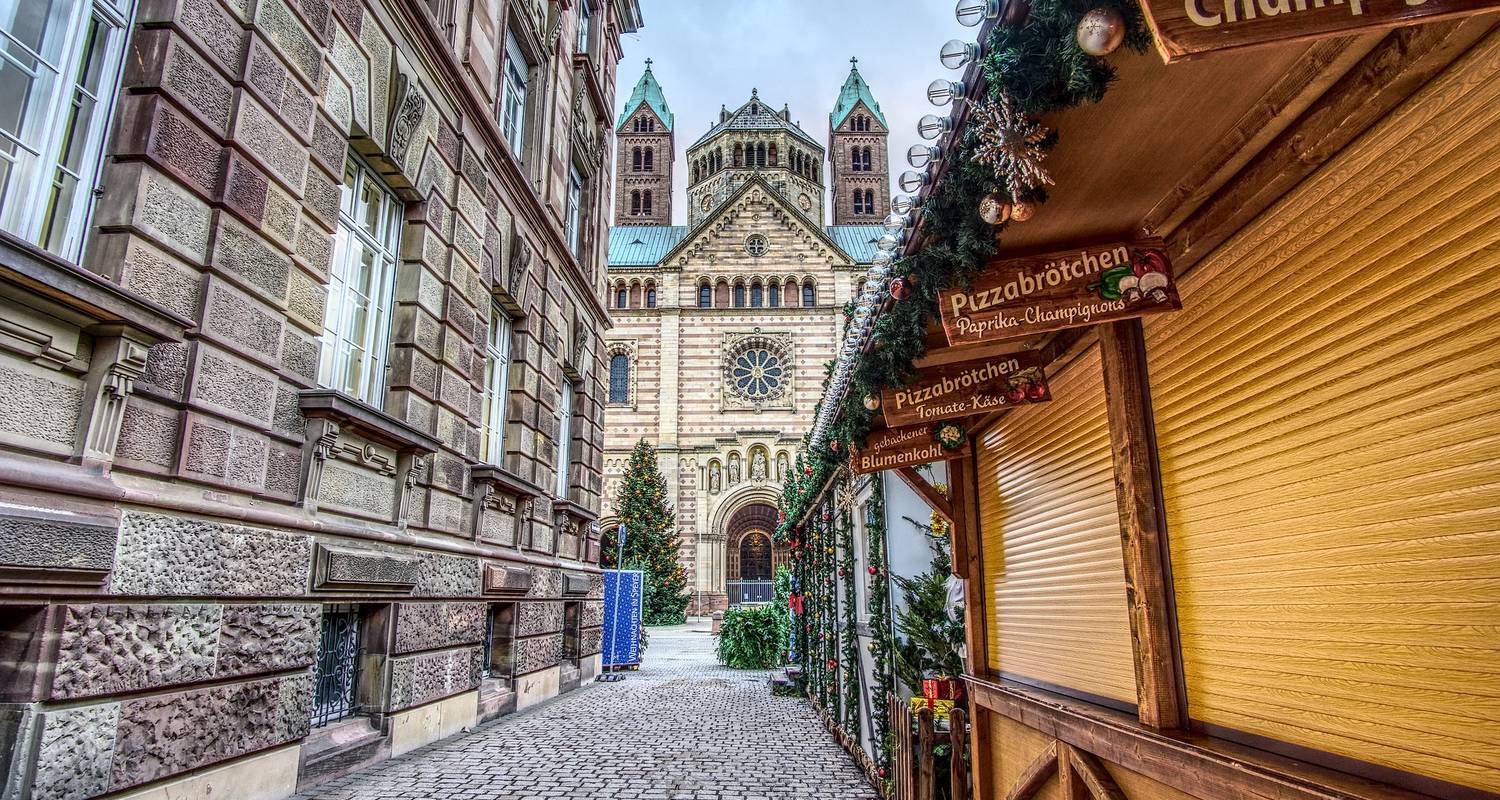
849	630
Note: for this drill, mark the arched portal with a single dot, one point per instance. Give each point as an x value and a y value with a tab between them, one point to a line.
752	554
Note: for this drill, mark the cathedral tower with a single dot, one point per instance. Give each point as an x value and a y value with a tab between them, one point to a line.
643	162
860	164
755	140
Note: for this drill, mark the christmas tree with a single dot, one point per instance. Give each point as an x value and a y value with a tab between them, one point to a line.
650	539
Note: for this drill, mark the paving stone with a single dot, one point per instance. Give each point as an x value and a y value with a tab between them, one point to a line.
681	727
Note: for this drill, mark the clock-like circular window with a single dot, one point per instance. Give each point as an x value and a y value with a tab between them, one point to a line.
758	374
756	245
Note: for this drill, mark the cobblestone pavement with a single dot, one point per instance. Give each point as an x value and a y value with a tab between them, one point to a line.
681	727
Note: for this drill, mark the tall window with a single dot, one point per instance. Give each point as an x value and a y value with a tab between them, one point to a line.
622	297
574	226
499	636
336	671
513	99
564	437
757	295
773	293
355	323
859	202
854	159
635	202
646	202
650	157
496	386
869	201
635	159
809	295
650	297
619	378
585	15
705	296
865	160
59	70
739	295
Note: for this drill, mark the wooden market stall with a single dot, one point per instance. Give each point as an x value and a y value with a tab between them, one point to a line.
1250	548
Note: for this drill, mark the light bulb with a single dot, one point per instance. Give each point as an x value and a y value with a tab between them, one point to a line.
956	53
973	12
920	155
901	203
942	91
932	126
895	223
912	181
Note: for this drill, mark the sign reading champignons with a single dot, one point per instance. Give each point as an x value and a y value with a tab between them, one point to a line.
1187	28
967	388
893	448
1019	297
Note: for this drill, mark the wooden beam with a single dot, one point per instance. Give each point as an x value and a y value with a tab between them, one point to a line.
1092	774
929	494
1160	689
1200	765
1036	774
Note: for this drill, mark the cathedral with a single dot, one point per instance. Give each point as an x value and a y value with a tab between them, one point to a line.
722	326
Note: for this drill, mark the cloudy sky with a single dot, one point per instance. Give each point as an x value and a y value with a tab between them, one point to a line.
708	53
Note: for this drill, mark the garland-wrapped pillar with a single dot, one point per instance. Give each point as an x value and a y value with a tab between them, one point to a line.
881	630
849	629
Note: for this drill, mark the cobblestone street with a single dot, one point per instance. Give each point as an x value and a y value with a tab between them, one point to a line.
681	727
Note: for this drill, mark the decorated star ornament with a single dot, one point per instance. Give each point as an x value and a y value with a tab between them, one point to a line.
1011	143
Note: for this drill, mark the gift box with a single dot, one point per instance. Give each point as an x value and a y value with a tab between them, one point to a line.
940	708
942	689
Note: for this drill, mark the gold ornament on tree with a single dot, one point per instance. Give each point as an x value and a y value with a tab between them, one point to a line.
1022	211
994	210
1101	31
1011	143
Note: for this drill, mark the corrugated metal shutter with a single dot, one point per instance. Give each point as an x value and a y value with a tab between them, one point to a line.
1328	412
1052	558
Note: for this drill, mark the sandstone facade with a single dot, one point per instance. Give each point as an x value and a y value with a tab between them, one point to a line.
199	523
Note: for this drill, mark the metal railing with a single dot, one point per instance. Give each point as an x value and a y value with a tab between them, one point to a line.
744	592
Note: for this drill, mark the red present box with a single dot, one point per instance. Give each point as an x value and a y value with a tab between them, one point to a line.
941	688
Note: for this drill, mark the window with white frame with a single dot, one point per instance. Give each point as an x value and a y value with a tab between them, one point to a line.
59	72
585	15
575	211
356	322
564	436
496	386
513	97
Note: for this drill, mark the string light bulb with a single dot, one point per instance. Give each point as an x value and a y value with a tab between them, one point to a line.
942	91
972	12
920	155
957	53
932	126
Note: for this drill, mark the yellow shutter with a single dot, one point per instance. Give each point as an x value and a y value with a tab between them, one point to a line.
1052	559
1328	413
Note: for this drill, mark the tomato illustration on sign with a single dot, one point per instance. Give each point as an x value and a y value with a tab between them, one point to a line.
1147	276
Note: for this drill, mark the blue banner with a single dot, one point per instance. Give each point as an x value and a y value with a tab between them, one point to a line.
622	617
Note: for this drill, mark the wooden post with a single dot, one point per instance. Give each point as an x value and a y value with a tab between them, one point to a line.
926	779
901	759
1148	568
958	769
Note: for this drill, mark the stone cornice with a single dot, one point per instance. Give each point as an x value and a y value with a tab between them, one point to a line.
365	420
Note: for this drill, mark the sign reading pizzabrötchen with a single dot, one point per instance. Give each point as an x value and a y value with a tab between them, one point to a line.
1070	289
1187	28
967	388
893	448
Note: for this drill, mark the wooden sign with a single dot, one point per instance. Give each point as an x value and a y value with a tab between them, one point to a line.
967	388
1187	28
892	448
1074	288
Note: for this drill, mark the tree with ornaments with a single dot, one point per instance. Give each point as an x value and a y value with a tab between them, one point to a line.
650	539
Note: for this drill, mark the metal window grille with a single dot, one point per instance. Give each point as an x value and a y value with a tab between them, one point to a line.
336	674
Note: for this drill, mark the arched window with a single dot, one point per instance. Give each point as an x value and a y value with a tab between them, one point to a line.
646	202
854	159
650	295
651	158
721	295
635	295
809	295
650	125
789	293
773	154
757	295
739	154
859	202
864	155
622	297
773	294
739	295
635	159
869	201
635	202
760	154
754	108
619	378
705	296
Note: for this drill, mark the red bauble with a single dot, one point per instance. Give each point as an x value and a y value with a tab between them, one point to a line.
807	471
841	572
900	289
873	570
880	772
834	445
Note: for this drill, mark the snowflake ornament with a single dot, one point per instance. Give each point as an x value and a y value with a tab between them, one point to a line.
1011	143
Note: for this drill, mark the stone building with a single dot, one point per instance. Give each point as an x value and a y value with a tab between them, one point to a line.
301	432
722	326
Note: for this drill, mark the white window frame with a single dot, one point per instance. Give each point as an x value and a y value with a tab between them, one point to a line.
46	138
575	211
517	76
338	317
496	386
564	435
585	16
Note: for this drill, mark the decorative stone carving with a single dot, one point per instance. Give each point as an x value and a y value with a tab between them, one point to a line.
105	649
411	104
166	555
507	579
758	466
431	676
430	626
340	567
55	547
380	459
163	735
783	467
715	478
117	362
734	468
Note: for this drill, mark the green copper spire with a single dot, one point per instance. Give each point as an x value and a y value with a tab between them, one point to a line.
855	90
648	91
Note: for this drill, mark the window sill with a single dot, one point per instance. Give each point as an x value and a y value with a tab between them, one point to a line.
504	480
565	506
366	420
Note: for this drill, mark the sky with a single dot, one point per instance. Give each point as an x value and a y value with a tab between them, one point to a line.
708	53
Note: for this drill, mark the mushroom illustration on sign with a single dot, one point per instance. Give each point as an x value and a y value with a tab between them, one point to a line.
1148	277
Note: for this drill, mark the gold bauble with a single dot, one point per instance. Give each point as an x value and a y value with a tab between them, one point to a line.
1022	211
993	209
872	402
1101	31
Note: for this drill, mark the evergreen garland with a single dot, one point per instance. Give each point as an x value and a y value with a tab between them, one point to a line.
1040	66
880	624
849	630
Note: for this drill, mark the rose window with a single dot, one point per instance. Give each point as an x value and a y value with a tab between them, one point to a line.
758	374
